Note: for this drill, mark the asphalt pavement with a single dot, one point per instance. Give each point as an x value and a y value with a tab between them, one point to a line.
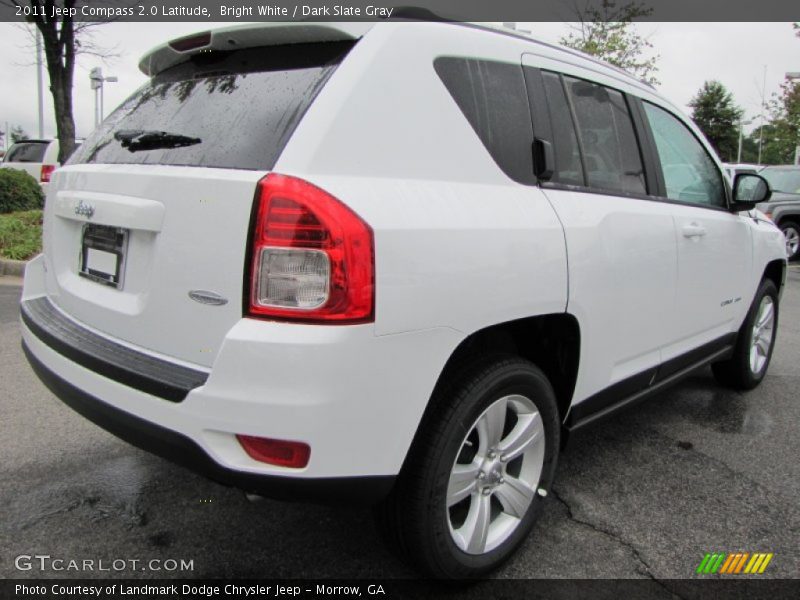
644	494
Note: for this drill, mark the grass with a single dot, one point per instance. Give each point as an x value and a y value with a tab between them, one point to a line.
21	234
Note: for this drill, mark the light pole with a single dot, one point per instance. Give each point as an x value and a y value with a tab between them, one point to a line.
761	116
741	129
40	99
96	80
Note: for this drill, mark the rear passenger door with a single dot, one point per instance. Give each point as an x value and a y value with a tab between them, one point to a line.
621	245
714	245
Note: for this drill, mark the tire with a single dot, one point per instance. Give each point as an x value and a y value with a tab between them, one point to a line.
791	232
457	428
748	365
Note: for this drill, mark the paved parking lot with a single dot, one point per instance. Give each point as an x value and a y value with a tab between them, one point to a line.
645	494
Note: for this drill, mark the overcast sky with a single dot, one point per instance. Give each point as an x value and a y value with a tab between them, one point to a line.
690	53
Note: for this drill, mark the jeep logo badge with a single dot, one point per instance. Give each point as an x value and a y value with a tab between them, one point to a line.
85	210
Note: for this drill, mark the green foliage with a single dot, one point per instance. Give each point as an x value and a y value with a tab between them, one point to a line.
608	33
21	235
19	191
717	116
18	134
783	133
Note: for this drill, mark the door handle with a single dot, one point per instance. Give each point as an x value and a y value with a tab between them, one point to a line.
693	230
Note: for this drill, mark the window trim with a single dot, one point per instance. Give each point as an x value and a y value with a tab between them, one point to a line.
553	185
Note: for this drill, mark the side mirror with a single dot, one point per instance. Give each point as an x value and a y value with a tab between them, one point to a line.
749	189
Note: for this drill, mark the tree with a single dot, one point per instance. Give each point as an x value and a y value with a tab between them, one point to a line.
18	134
717	116
784	125
62	40
607	32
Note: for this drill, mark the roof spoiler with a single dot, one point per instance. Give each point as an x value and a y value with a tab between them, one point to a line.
180	50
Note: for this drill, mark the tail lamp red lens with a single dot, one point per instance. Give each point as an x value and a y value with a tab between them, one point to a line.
282	453
313	257
47	171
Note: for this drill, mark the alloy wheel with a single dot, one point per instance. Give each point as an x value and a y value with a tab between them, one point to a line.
763	335
792	237
496	474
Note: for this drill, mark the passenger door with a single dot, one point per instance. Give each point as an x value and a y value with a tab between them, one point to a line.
621	245
714	245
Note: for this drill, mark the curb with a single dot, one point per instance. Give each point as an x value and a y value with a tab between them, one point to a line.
12	268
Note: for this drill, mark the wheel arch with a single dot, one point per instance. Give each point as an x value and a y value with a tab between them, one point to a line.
775	271
551	342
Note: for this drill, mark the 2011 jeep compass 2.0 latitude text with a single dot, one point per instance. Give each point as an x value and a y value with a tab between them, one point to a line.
393	264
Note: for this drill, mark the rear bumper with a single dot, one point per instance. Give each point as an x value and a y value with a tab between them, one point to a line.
355	398
184	451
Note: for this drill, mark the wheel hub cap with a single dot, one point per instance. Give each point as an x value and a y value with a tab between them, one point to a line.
762	335
792	241
496	474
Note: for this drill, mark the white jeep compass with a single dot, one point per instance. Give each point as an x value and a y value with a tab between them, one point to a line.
393	264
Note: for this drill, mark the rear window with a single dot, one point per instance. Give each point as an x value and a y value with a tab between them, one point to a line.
238	108
26	152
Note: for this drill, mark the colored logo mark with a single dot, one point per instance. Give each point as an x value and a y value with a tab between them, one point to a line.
736	563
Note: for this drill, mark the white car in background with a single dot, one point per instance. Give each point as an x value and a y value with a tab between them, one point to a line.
39	158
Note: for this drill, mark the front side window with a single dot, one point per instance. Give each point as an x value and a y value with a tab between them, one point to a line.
611	154
690	174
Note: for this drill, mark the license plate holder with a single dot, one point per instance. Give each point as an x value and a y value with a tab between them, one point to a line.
103	250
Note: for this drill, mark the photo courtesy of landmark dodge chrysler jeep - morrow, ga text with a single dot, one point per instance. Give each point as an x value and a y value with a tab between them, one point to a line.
393	264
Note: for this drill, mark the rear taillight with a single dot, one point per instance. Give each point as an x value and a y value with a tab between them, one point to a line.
313	257
282	453
47	170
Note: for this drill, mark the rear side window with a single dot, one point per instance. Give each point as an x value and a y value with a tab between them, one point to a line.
690	174
568	168
231	110
610	150
493	97
26	152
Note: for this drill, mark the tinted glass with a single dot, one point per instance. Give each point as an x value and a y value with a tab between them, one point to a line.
567	154
243	106
783	180
493	98
689	172
26	152
610	149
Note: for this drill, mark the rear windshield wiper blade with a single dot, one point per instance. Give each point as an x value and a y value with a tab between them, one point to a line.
139	139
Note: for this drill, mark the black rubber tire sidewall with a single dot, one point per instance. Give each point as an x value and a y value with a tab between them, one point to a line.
736	371
511	376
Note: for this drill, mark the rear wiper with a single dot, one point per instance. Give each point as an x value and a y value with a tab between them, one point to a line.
139	139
